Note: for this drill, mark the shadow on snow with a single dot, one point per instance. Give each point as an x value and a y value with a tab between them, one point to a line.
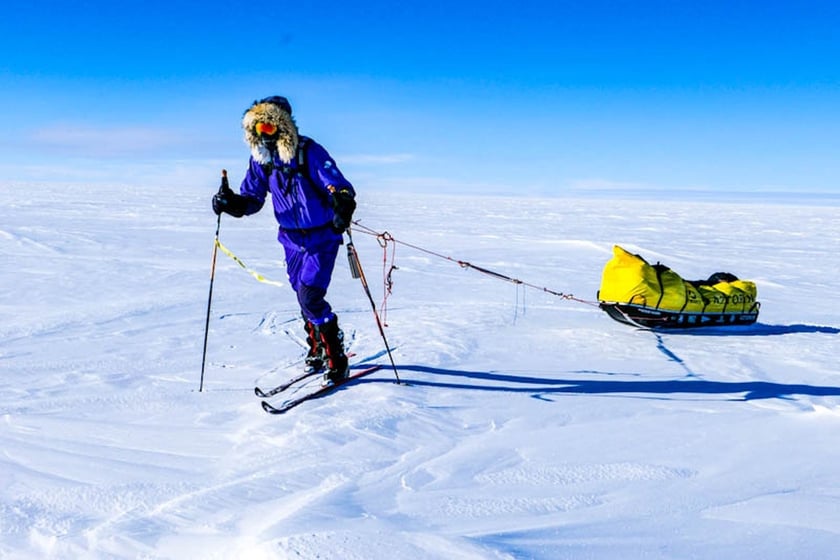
502	382
757	329
691	384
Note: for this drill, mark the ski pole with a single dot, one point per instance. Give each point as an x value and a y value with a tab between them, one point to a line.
224	186
357	272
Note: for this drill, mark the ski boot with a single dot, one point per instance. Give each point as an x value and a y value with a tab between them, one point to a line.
317	354
332	340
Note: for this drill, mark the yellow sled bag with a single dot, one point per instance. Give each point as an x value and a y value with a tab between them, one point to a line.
636	292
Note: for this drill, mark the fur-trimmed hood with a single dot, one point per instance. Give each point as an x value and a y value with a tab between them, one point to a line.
271	113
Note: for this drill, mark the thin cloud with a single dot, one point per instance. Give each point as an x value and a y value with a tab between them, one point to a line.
198	173
103	141
607	185
377	159
446	185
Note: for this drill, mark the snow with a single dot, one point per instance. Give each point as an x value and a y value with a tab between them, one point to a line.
528	426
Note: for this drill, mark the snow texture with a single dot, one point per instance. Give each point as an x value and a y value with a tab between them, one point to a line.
528	426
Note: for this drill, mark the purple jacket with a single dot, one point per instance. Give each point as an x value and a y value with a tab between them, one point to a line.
300	196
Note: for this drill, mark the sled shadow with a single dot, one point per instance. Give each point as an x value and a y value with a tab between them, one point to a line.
757	329
540	386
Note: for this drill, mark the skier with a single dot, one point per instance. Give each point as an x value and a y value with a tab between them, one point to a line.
313	205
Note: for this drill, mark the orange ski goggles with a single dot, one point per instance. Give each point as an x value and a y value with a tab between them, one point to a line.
265	129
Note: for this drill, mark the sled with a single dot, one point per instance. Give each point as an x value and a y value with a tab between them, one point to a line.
647	318
637	293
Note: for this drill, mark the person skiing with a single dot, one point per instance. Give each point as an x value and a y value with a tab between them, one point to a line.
313	204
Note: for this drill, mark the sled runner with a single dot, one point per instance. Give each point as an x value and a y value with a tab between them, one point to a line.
637	293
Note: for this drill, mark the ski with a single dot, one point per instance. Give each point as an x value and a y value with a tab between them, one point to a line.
320	391
283	386
264	394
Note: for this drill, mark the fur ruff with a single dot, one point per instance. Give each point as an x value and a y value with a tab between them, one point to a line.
287	140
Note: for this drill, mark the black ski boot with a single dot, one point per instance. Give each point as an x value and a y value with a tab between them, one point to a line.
332	340
317	354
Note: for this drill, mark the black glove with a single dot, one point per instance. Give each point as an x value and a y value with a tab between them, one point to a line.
343	207
229	202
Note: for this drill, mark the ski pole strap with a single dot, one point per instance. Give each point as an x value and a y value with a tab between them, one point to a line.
259	277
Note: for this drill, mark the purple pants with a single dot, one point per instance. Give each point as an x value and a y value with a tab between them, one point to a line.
310	261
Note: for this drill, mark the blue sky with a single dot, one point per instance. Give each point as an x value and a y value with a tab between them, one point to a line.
529	97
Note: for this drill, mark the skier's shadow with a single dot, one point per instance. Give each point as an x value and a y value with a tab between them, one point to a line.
756	329
541	386
690	384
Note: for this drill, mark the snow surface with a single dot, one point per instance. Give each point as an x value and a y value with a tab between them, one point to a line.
528	427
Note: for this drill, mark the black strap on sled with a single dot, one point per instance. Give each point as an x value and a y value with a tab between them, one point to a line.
660	268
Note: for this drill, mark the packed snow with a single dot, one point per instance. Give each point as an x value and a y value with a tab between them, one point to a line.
526	426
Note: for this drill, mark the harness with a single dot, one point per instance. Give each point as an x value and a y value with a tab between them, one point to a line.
301	171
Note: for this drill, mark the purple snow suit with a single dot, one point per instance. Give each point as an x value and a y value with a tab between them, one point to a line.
303	209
